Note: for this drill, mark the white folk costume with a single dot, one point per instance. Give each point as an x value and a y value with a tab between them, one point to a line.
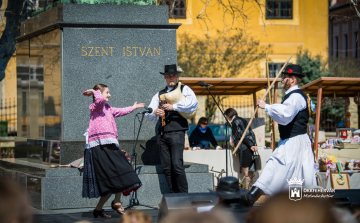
294	156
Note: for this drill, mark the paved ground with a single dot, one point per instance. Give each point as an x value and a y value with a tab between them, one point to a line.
82	215
85	215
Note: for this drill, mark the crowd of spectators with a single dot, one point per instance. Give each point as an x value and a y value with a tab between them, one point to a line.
15	208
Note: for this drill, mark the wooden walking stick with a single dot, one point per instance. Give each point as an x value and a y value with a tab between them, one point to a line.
268	77
272	127
257	107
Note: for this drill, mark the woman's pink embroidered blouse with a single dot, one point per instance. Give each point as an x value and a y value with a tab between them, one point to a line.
102	126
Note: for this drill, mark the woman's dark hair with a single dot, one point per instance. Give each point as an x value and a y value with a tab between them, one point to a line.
202	120
230	112
100	87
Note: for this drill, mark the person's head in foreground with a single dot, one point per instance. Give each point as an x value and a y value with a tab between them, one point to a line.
191	216
280	209
135	216
228	190
13	205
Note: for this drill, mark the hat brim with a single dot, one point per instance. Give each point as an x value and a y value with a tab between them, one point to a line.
177	72
294	74
229	195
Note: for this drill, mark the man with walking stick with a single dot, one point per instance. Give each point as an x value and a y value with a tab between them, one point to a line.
293	158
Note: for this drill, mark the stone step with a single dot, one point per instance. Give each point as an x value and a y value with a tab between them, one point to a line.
61	188
66	192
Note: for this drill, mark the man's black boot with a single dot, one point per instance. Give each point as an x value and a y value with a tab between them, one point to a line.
252	196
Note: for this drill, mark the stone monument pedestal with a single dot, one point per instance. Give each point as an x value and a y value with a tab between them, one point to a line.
71	48
68	49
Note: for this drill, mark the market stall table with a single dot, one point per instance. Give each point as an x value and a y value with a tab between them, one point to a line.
326	87
325	182
340	154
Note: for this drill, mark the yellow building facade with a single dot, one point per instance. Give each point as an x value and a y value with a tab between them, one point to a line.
8	97
306	29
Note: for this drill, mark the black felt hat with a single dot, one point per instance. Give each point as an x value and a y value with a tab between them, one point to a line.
171	69
228	188
294	69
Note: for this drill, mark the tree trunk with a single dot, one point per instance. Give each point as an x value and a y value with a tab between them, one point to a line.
14	13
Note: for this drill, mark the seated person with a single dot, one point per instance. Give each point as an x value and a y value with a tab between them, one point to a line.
202	136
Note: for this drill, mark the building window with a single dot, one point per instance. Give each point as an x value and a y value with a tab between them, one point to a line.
280	9
274	69
177	8
336	43
356	45
346	45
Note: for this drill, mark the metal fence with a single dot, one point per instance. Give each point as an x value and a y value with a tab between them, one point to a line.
8	117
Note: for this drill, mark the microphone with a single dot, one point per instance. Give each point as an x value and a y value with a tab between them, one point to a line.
148	110
202	84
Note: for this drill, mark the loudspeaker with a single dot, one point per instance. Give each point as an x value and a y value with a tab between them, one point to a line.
180	201
347	198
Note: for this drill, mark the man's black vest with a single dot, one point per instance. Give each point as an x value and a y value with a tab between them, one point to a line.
298	125
174	121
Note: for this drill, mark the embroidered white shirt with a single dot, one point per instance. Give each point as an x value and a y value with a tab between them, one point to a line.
284	113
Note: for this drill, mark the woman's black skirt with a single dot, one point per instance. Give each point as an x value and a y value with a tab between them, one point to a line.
107	171
247	158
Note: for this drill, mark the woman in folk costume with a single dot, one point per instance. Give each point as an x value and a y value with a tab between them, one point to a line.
106	169
294	156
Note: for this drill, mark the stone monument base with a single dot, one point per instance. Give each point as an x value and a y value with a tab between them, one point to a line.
61	188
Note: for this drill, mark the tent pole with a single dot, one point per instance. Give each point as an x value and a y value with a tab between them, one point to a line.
317	121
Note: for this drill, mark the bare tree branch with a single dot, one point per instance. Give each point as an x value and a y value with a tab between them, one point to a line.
233	9
199	17
218	56
355	6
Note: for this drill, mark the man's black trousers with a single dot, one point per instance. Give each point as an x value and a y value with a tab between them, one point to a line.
171	156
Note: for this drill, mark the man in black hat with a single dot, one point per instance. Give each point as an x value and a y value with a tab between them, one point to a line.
229	193
171	138
293	159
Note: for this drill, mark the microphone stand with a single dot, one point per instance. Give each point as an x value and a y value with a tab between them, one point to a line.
135	201
226	123
226	146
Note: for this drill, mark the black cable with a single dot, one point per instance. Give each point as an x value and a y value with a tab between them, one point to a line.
136	116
